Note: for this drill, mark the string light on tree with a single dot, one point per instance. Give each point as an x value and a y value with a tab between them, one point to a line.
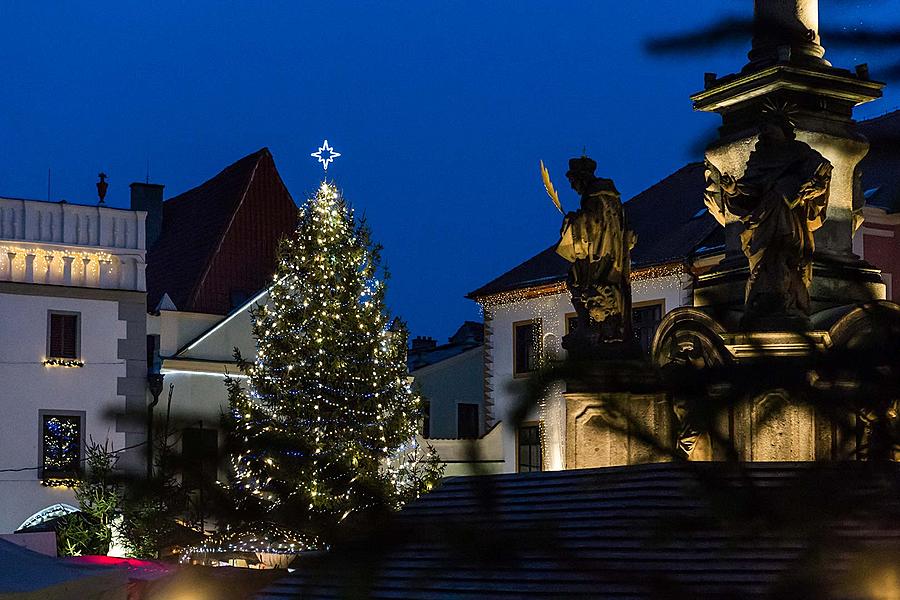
324	419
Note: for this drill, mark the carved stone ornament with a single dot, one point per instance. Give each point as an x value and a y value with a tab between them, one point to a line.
781	200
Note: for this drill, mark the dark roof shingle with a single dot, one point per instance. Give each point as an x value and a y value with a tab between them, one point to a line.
218	240
645	531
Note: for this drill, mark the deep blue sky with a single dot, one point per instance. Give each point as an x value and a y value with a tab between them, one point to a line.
441	109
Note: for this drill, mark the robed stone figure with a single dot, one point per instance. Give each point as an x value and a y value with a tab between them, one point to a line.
596	240
781	200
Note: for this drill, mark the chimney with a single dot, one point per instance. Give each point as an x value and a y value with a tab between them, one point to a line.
149	197
423	343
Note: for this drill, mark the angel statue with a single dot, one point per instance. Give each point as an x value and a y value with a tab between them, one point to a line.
596	240
781	200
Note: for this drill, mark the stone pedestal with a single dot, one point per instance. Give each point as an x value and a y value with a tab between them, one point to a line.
755	415
613	409
608	429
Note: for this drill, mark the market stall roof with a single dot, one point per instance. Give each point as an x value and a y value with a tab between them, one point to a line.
23	571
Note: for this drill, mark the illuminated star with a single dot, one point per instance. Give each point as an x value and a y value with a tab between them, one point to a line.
327	158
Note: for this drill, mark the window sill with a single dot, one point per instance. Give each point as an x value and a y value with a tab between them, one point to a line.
68	480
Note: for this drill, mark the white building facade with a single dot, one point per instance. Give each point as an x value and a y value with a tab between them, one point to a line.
72	346
542	314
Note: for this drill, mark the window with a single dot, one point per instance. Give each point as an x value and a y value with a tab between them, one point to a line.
526	336
571	322
466	420
62	439
645	320
529	450
426	419
62	335
199	455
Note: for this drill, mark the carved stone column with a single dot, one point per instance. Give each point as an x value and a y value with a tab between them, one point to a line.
787	69
48	275
67	269
85	278
786	28
29	267
11	256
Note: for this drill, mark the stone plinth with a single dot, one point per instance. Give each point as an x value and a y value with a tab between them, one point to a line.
606	429
611	408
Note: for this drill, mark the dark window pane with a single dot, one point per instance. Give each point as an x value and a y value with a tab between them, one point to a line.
63	336
525	336
199	454
529	451
571	323
61	440
426	419
467	420
646	320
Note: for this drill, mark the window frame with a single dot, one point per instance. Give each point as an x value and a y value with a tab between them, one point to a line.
568	317
66	313
45	474
661	302
537	333
189	474
425	429
521	426
477	420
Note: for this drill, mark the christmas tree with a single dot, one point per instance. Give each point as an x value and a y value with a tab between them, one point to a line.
323	425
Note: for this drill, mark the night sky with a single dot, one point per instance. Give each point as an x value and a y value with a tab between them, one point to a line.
441	110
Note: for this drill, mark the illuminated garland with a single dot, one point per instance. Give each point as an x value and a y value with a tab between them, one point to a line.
264	537
68	363
83	264
552	289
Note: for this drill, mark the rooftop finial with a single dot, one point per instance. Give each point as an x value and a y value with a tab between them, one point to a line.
102	186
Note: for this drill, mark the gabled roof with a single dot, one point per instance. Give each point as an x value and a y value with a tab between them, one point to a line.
469	335
647	531
669	218
218	239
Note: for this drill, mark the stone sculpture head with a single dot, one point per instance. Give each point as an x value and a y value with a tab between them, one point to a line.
581	173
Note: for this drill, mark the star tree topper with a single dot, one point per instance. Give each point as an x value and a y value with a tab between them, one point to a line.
325	154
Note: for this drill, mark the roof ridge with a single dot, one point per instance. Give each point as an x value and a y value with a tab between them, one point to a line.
665	179
885	115
258	154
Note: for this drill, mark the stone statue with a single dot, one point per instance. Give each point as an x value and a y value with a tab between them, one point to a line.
596	240
781	200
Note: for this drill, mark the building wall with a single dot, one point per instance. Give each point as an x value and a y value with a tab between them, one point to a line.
504	390
101	388
448	383
82	259
881	247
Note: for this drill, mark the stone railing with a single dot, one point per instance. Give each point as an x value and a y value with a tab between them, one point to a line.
56	243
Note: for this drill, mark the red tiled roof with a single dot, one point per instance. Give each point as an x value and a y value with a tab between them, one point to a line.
243	210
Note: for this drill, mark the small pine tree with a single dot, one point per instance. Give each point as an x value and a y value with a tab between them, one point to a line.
317	426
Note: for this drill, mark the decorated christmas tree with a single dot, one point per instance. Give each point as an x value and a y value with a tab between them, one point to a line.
323	424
